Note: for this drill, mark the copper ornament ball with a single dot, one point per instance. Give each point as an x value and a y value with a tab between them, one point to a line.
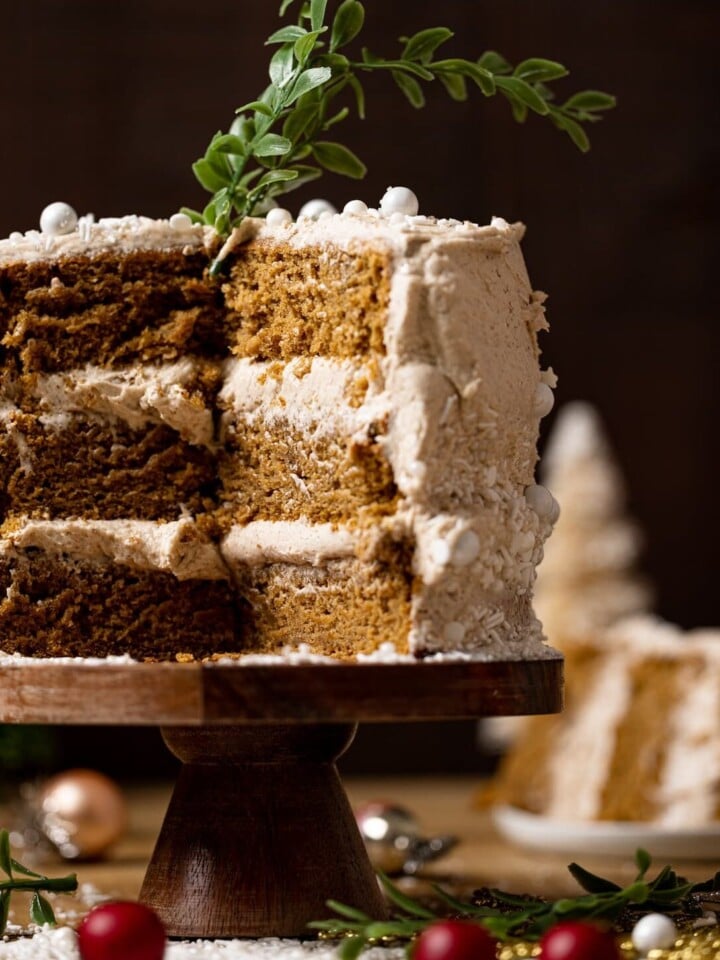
82	812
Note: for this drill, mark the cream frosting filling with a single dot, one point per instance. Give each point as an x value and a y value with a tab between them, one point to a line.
136	395
178	547
313	398
276	541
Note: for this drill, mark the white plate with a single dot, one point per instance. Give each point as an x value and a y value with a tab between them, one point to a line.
605	837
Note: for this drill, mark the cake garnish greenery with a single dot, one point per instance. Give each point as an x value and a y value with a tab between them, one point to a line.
21	879
287	137
507	916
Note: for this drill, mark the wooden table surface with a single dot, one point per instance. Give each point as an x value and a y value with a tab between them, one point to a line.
442	805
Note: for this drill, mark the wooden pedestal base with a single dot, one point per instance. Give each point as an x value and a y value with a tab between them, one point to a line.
259	833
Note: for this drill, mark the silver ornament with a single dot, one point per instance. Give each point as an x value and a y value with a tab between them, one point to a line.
393	841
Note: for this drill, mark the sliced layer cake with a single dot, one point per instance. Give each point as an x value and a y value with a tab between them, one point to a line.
332	444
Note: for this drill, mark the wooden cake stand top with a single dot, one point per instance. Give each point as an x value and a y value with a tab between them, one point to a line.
207	694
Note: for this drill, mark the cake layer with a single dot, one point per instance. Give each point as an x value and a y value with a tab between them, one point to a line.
51	605
70	465
290	301
150	306
339	608
303	440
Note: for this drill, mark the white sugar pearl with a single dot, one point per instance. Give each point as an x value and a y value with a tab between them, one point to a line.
399	200
58	219
454	632
543	401
180	221
554	514
540	499
356	207
15	236
314	209
278	217
654	931
465	549
500	223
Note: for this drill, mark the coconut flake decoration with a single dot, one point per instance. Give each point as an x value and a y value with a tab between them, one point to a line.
314	209
399	200
57	219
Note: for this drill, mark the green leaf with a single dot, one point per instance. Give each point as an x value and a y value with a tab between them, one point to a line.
282	66
351	948
208	177
275	176
537	70
298	120
287	34
338	61
4	909
305	174
359	92
230	143
590	882
573	130
350	912
642	861
590	100
494	62
423	44
256	106
18	867
411	88
337	118
338	159
305	46
5	859
308	80
455	84
272	145
524	93
347	24
40	910
405	903
209	213
284	6
317	13
482	77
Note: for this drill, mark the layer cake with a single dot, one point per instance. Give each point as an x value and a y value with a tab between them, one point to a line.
332	444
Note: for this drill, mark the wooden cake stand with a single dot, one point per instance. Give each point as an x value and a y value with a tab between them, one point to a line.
259	832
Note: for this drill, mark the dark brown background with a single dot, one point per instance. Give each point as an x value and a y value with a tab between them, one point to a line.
105	105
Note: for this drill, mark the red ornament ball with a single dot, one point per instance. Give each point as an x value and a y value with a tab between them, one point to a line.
124	930
576	940
454	940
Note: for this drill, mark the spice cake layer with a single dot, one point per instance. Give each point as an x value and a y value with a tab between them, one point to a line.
366	385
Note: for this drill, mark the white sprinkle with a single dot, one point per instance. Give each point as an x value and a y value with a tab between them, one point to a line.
58	219
500	223
278	217
543	401
398	219
465	549
399	200
355	207
180	221
654	931
440	552
16	235
454	632
314	208
539	499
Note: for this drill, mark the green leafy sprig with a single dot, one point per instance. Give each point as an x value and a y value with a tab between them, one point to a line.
508	917
280	141
29	882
